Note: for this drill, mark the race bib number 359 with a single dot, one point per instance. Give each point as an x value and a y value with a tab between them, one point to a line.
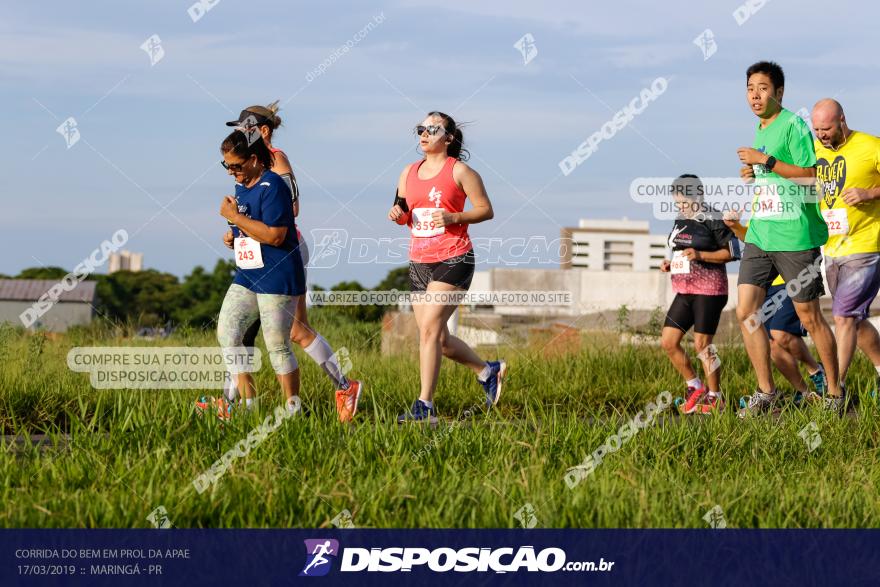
248	254
423	223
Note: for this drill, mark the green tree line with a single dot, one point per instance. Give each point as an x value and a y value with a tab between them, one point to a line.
153	298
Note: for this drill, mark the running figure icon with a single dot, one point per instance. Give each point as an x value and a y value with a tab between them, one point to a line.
318	556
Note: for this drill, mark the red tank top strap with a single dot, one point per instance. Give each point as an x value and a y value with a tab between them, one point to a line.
414	171
446	172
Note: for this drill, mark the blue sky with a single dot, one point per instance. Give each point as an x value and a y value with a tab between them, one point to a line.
150	134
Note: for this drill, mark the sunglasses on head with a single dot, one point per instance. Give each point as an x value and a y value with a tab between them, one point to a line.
433	129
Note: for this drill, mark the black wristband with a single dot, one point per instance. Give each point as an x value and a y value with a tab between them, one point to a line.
771	163
398	201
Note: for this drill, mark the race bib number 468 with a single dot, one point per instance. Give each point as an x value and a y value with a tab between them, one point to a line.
679	265
423	222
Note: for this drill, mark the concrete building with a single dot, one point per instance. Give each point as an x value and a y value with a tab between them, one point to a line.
612	245
74	307
125	261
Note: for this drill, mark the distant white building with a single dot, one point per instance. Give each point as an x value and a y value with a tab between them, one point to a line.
612	245
125	261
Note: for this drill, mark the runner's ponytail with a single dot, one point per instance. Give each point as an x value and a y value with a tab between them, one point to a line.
273	109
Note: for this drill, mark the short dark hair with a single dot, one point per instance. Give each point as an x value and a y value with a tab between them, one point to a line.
237	143
688	185
770	68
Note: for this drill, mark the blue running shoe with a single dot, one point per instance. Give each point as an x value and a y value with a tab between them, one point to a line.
493	385
419	413
820	382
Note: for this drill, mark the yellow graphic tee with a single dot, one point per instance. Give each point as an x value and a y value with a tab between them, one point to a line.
856	164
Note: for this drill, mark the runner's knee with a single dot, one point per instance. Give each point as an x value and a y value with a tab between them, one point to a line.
844	321
811	320
445	347
280	356
301	332
782	340
431	332
743	313
669	344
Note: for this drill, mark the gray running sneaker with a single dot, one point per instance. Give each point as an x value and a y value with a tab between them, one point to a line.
834	404
759	403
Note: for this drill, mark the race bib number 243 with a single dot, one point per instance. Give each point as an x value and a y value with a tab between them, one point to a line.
248	254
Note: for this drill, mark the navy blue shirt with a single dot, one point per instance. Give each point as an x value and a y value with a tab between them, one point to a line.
282	272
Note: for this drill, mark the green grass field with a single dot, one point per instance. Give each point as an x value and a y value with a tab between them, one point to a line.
112	457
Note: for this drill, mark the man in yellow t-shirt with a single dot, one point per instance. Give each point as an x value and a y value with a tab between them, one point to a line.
848	185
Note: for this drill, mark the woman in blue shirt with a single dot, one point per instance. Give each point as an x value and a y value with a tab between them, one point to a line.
269	279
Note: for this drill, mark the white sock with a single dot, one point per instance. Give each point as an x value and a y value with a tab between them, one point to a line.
249	402
485	373
428	404
878	369
229	388
713	393
695	383
293	404
322	353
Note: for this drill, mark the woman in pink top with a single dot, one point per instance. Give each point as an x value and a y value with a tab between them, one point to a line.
265	120
431	201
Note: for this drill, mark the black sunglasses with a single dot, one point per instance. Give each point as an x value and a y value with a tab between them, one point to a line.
234	167
433	130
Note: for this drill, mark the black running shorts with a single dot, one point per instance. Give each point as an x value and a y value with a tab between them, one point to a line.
700	311
457	271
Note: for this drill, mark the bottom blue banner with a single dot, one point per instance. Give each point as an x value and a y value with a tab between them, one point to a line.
485	557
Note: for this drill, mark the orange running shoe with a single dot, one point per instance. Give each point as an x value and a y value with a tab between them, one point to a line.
203	404
347	400
694	399
711	405
224	408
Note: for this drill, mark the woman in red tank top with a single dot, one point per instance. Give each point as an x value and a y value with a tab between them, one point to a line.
431	201
266	120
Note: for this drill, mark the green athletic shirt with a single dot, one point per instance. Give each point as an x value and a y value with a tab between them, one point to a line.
799	225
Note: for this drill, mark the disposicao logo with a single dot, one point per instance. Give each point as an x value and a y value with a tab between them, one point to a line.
318	553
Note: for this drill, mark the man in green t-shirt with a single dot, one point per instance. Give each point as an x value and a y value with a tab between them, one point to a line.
784	235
